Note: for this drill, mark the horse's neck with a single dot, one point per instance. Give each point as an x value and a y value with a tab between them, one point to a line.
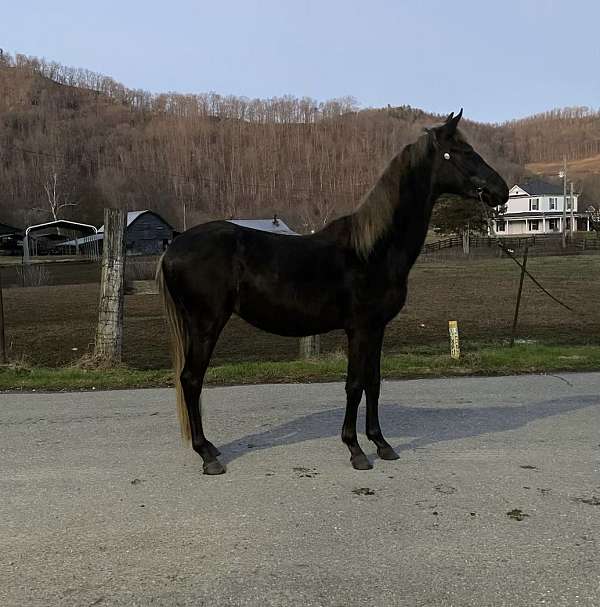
337	230
412	212
411	221
394	217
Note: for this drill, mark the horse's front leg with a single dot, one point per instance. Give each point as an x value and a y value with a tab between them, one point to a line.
355	382
372	390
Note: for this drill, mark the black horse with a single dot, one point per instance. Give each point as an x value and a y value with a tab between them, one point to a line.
351	275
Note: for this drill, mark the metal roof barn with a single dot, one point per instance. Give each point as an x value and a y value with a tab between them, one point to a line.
146	233
265	225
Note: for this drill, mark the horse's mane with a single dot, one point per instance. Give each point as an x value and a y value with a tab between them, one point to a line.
375	213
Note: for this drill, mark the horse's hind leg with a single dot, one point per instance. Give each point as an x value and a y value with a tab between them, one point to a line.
372	389
355	381
192	378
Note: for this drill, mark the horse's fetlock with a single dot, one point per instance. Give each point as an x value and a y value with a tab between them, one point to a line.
349	438
375	436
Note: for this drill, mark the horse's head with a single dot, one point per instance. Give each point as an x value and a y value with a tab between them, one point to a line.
459	169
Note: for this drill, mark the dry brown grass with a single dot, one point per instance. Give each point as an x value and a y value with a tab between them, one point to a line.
584	166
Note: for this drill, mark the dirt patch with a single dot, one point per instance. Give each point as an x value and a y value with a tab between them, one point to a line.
54	325
517	515
363	491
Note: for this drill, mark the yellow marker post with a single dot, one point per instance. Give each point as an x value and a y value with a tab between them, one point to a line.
454	343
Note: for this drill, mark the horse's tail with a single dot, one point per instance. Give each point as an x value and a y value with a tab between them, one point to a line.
179	346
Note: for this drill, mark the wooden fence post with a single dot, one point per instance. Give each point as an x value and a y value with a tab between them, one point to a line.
109	333
310	346
518	304
466	242
454	340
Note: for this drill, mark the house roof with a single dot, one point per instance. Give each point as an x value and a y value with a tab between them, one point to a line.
6	230
265	225
537	187
83	240
133	215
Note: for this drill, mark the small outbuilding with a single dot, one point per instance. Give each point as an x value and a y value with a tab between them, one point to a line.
11	240
146	233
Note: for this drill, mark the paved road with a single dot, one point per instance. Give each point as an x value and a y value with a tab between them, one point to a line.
99	504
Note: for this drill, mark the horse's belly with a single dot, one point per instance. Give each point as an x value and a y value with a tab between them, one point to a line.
291	314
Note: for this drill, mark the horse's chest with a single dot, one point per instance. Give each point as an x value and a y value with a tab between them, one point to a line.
380	301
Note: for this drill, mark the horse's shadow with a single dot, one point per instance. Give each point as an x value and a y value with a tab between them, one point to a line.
426	426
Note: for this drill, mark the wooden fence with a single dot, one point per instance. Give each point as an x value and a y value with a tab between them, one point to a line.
541	244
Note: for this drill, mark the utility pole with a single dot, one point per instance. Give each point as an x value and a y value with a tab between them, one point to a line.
564	217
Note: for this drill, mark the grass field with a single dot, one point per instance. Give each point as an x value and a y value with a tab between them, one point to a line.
54	325
499	360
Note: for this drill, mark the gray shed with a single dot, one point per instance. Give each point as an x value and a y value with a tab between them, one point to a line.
146	233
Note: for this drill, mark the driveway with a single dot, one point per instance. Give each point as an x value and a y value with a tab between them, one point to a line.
101	505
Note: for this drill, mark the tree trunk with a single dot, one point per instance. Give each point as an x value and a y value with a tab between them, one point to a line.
109	333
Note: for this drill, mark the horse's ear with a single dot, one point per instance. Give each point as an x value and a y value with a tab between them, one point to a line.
449	127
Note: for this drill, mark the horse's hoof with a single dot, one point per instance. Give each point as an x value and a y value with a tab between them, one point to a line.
360	462
387	453
214	467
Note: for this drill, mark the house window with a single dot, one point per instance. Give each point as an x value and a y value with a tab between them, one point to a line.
534	204
568	202
534	225
552	204
553	225
501	226
502	209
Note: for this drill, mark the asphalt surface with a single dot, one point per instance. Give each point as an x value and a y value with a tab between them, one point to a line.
100	504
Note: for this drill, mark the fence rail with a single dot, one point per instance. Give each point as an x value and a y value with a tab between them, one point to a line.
541	244
446	243
589	244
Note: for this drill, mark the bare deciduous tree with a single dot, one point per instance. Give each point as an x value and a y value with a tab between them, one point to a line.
56	199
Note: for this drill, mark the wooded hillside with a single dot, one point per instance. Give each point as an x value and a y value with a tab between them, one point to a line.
77	141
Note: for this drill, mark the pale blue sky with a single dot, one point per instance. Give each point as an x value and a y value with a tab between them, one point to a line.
500	60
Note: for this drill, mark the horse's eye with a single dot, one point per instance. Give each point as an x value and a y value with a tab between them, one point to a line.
447	156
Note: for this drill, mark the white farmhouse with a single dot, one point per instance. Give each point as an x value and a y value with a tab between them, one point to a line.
536	207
